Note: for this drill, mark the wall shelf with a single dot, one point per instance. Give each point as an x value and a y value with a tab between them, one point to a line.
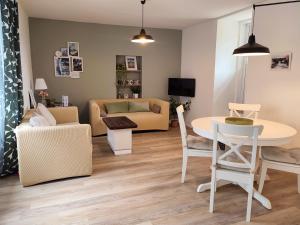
125	75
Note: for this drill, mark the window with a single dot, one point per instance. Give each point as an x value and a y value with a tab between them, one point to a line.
245	29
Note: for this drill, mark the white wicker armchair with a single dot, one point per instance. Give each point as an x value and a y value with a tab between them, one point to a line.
54	152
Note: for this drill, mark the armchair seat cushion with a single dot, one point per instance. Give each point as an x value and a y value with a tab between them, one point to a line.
290	156
195	142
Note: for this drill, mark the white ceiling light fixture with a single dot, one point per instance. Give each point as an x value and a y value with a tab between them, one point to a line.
142	37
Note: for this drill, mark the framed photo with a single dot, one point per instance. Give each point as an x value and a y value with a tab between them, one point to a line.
131	63
62	66
73	48
281	61
64	52
77	64
32	99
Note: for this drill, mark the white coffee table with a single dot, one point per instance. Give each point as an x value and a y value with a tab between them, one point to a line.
119	134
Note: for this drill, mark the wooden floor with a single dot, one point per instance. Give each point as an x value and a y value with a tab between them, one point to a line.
143	189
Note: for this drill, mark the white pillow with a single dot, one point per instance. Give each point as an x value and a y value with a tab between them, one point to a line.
38	120
43	111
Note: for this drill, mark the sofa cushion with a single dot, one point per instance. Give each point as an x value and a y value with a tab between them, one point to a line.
43	111
116	107
38	120
139	107
156	108
144	120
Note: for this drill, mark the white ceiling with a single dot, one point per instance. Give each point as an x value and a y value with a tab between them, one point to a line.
174	14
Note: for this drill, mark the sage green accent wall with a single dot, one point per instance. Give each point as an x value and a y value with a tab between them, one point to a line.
99	45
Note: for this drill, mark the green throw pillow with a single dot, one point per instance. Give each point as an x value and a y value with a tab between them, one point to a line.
139	107
116	107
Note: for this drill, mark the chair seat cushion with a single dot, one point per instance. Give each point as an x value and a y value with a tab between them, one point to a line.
199	143
291	156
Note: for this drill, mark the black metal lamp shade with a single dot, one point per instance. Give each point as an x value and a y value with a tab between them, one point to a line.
251	48
142	37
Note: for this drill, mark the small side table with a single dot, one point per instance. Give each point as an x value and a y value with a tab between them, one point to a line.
119	134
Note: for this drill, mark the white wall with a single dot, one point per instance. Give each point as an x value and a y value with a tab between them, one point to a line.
25	54
226	64
197	61
277	27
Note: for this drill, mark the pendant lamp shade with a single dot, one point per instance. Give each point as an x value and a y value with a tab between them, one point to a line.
142	37
251	48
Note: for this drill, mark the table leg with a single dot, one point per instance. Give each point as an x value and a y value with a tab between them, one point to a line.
259	197
206	186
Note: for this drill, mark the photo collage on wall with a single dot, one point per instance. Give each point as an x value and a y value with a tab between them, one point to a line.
67	62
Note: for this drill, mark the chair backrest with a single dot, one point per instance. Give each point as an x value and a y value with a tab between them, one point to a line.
248	110
180	111
236	136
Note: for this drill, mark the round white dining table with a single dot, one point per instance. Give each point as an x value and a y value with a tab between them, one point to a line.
273	134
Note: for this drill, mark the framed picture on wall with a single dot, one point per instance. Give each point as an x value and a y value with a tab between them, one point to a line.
281	61
64	52
77	64
131	63
73	48
62	66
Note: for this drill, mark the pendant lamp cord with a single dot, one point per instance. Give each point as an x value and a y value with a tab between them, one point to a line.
253	20
143	2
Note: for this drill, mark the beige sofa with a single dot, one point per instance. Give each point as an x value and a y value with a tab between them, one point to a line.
144	120
54	152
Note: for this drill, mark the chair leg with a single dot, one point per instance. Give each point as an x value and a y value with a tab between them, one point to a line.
262	177
212	190
299	183
184	165
249	203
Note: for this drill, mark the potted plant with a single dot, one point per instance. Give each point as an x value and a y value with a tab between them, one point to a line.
136	90
174	103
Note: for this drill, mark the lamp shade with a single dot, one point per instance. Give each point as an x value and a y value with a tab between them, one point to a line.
40	84
251	48
142	38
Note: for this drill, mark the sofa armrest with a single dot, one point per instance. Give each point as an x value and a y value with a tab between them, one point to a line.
94	111
65	114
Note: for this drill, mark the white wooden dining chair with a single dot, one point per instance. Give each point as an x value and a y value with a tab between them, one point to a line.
277	158
191	145
248	110
237	164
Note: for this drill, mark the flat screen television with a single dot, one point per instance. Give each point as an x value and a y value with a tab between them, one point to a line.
182	87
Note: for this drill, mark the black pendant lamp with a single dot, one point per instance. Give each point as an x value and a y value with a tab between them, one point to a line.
142	37
252	48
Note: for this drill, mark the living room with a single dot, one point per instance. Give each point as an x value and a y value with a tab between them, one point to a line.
99	127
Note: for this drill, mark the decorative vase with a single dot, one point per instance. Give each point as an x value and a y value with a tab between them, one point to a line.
135	95
174	123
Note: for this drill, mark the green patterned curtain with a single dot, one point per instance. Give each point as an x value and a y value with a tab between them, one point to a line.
12	83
